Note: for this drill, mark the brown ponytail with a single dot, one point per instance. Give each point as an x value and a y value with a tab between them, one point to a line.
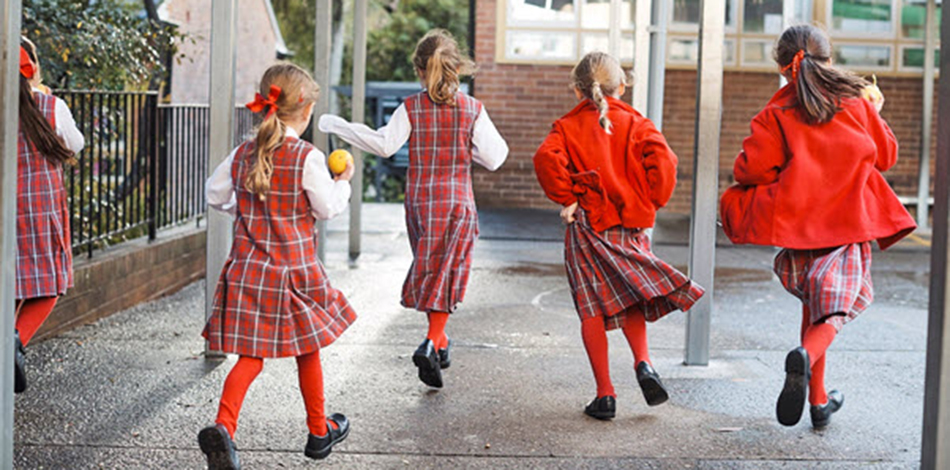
596	76
298	90
37	130
819	85
439	63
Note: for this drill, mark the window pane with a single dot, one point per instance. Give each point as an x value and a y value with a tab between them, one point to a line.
541	45
862	16
757	52
542	12
686	51
591	42
688	12
914	57
913	14
856	56
762	16
596	14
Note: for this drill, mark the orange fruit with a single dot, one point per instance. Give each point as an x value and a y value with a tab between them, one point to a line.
338	159
871	92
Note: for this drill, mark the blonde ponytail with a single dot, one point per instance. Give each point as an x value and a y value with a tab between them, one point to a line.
442	81
597	76
270	136
439	63
597	95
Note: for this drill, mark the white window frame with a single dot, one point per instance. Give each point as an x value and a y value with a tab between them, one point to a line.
743	63
850	35
908	69
680	27
865	68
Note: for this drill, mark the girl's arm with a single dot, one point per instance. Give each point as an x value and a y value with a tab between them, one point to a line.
328	198
385	141
490	149
551	163
763	153
66	127
884	138
219	189
659	161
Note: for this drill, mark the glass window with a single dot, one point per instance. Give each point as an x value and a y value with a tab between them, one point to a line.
687	12
686	51
542	45
913	14
762	16
595	14
854	56
757	53
913	58
862	16
591	42
543	12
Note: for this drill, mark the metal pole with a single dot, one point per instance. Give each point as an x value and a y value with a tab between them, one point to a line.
935	453
359	113
221	100
926	120
614	25
641	51
9	106
657	80
702	241
322	46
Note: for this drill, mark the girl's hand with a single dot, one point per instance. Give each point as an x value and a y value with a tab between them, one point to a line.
347	173
567	214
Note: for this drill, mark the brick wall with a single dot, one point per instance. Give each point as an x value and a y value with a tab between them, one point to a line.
524	100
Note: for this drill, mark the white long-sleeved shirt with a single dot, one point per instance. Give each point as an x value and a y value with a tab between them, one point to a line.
327	198
66	128
490	149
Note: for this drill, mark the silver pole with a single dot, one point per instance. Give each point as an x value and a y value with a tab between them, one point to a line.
926	120
322	45
359	113
702	242
221	99
641	52
9	105
657	80
935	453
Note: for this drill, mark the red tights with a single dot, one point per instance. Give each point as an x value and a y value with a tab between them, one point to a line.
437	321
816	339
31	313
594	334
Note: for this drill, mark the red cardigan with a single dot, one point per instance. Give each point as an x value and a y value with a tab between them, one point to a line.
618	179
806	186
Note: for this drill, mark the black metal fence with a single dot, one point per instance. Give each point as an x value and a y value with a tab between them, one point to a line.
143	167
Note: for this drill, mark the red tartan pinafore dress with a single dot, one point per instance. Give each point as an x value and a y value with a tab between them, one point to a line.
440	206
44	257
273	297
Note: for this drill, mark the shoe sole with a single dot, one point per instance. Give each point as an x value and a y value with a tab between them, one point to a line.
601	415
325	452
791	402
430	373
215	447
653	391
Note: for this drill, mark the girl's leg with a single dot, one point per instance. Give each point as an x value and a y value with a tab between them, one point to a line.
816	339
635	330
31	313
436	334
594	334
310	373
235	388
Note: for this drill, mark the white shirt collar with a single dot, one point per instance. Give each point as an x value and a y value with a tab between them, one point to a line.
290	132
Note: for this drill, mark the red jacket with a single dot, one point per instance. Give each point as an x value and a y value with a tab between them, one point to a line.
618	179
806	186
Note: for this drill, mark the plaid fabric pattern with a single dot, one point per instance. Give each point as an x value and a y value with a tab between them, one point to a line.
273	298
440	206
614	273
834	284
44	260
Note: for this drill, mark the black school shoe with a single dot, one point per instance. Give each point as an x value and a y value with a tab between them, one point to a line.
319	447
821	414
653	390
791	402
445	358
426	358
216	443
19	363
603	408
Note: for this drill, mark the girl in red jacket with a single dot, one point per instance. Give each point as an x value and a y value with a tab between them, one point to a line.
809	181
611	169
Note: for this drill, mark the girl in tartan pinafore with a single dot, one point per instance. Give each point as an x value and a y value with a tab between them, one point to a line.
273	297
611	169
809	180
48	139
446	131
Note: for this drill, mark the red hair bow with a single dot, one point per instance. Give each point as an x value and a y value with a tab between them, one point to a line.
27	67
260	102
795	64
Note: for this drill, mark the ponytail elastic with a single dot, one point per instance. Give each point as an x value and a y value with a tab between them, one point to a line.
27	67
795	65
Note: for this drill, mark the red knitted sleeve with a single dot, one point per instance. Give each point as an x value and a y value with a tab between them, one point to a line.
552	167
659	161
763	153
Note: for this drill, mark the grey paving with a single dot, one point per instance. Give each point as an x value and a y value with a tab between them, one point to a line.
132	390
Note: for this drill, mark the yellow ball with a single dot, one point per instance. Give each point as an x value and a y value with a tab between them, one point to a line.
338	159
872	93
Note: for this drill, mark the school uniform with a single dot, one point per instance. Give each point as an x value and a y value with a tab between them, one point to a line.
273	297
441	216
817	191
619	180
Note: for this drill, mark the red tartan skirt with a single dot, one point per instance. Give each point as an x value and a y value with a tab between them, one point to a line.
614	273
833	284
